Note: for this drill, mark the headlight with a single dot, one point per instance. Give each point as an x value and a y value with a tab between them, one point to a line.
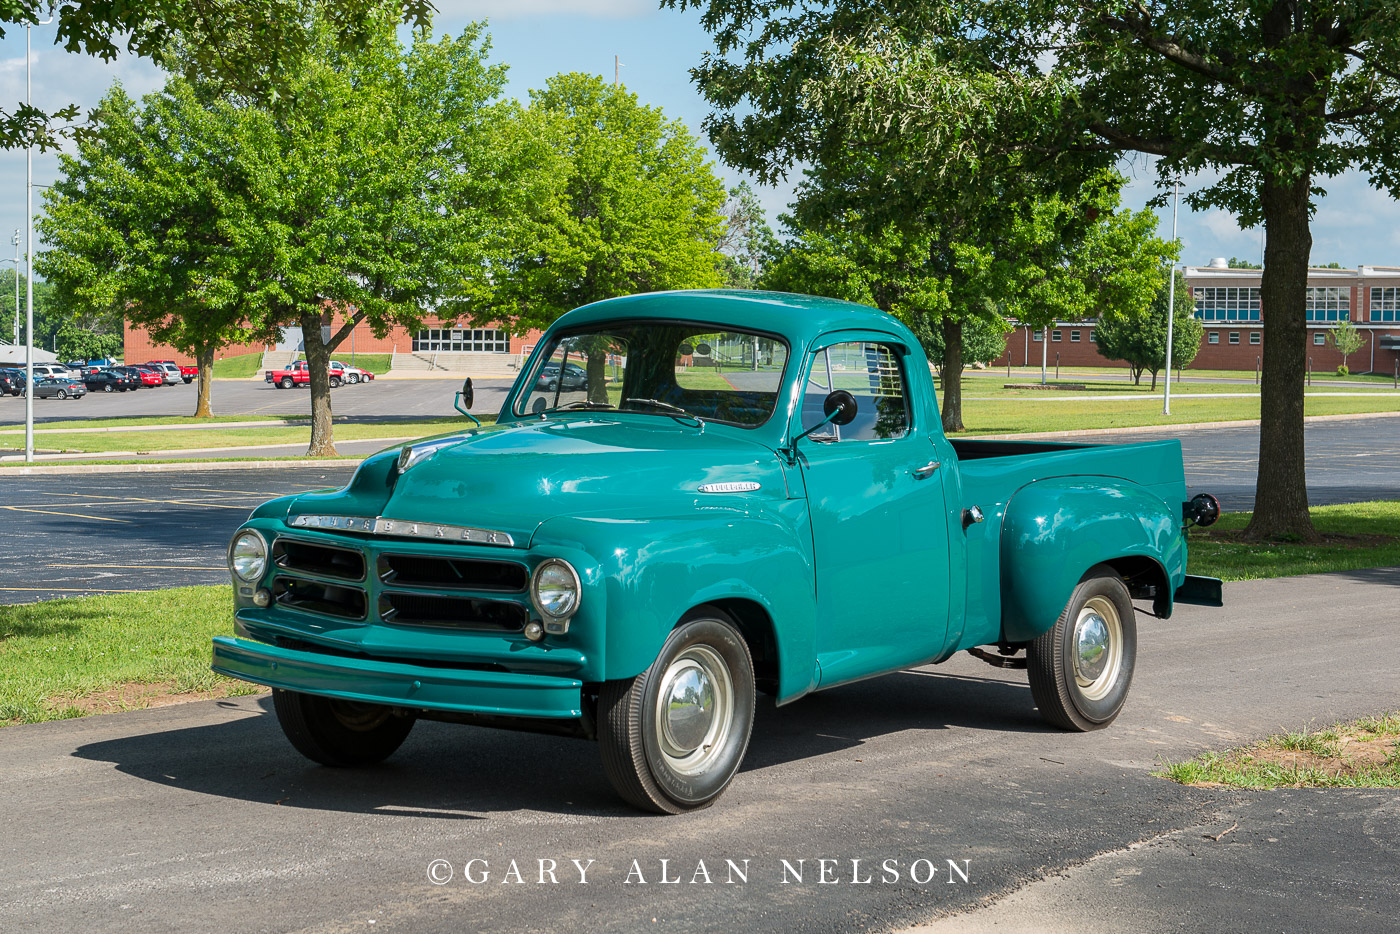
247	555
554	589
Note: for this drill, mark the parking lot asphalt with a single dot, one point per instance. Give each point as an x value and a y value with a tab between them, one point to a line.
201	817
75	534
80	534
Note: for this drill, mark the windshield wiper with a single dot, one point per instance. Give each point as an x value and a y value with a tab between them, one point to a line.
668	408
583	404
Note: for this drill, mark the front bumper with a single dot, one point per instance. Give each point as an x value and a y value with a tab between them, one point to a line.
399	684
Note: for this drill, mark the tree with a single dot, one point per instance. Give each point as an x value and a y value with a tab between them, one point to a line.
747	243
1346	340
1140	338
1266	98
152	219
251	46
1237	263
634	208
77	342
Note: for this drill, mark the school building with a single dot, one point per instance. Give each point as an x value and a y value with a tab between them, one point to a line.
1228	306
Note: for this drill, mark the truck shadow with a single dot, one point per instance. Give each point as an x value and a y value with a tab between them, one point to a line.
452	772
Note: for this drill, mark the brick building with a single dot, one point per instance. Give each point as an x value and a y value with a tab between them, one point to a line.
1227	304
455	346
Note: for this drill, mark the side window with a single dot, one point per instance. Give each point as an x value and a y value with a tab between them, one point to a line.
871	372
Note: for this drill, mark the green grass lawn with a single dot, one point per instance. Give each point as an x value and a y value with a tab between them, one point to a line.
66	658
152	441
1356	535
1014	415
242	366
376	363
1363	753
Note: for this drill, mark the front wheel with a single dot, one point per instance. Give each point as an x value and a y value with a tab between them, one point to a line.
108	387
1081	668
352	379
335	382
673	737
340	733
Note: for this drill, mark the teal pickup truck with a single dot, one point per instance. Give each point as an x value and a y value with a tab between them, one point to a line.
741	492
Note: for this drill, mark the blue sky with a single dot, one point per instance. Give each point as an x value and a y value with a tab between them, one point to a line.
539	38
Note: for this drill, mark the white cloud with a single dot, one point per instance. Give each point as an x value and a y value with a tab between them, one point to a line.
519	9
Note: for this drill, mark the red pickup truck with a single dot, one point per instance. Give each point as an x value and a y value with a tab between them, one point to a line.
299	374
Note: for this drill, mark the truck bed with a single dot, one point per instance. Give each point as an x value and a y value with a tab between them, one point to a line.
992	472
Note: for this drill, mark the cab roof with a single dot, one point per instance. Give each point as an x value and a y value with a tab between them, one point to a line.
796	317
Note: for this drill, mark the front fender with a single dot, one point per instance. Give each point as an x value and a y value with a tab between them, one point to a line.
1055	530
654	569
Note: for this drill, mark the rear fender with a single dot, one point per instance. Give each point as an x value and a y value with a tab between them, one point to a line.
1056	529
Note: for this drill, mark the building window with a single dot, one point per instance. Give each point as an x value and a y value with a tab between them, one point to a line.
1074	337
1055	336
1036	336
1255	337
1319	338
1093	337
461	340
1218	303
1385	304
1213	337
1234	337
1329	303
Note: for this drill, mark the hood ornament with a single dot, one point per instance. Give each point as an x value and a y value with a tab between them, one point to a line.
413	453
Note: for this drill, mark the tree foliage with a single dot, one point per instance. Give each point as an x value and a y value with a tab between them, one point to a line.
1265	100
1139	337
747	243
249	46
1345	339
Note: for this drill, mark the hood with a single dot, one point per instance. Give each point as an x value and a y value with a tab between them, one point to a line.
512	478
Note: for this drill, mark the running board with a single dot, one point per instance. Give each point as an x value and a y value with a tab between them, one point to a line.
1201	591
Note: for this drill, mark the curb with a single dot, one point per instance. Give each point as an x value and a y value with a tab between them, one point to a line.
167	466
1182	426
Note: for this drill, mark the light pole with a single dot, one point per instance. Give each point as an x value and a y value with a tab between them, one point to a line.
1171	305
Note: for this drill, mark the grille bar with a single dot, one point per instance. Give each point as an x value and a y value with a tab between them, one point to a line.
444	573
467	613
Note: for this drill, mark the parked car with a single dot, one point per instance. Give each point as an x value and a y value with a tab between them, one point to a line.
11	382
187	372
632	571
169	372
575	378
58	387
350	374
150	375
139	377
108	381
49	369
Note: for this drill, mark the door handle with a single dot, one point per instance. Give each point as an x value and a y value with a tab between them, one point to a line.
926	470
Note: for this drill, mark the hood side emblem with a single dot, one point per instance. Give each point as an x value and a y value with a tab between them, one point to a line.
403	528
732	486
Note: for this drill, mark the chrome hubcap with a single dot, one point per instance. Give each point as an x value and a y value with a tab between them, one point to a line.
694	709
1098	647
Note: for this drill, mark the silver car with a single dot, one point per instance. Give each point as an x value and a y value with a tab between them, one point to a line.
171	371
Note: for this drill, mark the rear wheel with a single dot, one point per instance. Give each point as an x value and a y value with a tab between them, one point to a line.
287	382
63	394
340	733
673	737
1080	670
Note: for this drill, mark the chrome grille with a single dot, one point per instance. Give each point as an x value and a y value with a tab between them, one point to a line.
444	573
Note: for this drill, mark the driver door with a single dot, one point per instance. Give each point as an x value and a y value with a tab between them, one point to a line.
879	528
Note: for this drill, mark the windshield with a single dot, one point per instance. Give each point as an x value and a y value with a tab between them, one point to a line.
663	368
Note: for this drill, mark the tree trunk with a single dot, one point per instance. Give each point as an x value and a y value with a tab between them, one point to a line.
951	373
318	359
1154	381
597	375
1281	489
204	358
1137	375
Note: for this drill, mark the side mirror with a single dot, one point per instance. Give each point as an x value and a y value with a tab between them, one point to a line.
840	409
468	397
